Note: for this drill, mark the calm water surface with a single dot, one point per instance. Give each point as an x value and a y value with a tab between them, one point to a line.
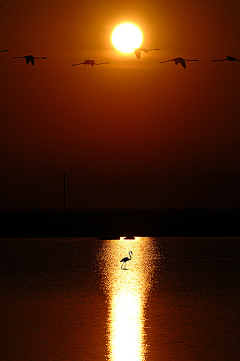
69	299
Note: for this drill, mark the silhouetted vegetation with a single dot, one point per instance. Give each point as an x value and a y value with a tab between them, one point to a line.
120	222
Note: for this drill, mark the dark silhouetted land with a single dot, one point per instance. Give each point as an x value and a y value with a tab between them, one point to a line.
120	222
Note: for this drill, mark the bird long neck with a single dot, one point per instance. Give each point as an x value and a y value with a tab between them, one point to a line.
130	255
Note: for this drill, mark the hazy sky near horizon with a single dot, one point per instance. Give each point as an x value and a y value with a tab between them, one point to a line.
135	133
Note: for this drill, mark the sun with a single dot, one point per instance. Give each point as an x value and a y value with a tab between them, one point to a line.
126	37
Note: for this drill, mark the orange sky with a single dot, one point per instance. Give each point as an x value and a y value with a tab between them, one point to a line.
135	133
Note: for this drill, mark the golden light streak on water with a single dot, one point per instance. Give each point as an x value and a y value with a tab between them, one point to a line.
127	293
125	328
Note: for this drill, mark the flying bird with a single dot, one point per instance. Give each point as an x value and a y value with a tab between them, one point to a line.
178	60
138	51
30	58
125	259
2	51
90	62
229	58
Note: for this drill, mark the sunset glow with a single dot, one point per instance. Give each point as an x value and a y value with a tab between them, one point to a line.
126	37
140	132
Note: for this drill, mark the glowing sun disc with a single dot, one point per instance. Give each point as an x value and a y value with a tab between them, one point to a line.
126	37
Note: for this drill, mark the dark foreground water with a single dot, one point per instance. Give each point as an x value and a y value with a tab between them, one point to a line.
68	299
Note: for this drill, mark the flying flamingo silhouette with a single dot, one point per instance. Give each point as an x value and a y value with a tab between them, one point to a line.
90	62
138	51
178	60
229	58
2	51
125	259
30	58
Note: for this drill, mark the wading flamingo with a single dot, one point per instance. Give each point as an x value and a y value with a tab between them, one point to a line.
125	259
178	60
30	58
90	62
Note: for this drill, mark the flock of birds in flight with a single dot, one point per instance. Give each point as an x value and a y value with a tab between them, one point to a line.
138	52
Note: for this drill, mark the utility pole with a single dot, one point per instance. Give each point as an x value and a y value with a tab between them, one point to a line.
63	181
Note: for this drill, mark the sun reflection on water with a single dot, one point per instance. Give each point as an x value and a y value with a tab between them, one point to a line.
127	293
125	330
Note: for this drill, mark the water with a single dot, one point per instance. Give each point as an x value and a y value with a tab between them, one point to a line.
68	299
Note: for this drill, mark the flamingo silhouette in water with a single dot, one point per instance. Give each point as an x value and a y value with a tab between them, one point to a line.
2	51
229	58
125	259
178	60
90	62
138	51
30	58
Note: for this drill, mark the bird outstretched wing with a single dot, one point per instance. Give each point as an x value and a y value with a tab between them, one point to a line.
181	61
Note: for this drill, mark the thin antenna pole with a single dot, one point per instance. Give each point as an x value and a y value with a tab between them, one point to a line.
63	181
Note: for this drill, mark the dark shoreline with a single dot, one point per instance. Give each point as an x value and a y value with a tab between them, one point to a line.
120	222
